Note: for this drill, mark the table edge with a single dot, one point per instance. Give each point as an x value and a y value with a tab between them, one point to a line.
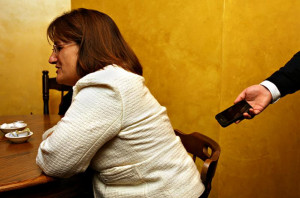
42	179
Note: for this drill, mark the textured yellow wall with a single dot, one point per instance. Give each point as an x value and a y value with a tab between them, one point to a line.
198	56
24	53
260	158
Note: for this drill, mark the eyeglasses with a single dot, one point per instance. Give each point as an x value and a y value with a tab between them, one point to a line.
57	48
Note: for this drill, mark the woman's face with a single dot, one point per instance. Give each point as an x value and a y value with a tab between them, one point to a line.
65	56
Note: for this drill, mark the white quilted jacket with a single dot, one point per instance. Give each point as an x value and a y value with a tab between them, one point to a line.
115	126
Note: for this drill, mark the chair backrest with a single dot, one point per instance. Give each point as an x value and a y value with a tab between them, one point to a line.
207	150
50	83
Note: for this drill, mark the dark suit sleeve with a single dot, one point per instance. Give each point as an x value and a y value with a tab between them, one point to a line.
287	78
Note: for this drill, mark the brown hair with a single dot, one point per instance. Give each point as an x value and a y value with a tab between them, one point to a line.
99	39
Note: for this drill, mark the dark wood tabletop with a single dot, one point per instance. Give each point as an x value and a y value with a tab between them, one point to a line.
17	161
18	169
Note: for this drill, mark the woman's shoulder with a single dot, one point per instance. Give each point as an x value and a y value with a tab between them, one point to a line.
112	75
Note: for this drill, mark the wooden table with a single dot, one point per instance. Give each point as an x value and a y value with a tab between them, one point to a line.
19	173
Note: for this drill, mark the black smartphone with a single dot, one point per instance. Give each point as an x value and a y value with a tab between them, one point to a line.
233	113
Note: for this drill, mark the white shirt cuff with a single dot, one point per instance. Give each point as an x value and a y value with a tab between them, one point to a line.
273	90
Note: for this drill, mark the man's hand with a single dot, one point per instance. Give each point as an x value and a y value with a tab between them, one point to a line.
258	97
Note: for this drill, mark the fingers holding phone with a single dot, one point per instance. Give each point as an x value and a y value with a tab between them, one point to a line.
249	103
247	115
233	114
258	97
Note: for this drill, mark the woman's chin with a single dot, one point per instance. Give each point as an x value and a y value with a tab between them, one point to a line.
59	80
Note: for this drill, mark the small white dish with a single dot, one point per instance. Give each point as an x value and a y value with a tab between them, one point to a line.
18	137
14	126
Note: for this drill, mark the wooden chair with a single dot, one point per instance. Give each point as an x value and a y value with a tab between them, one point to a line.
50	83
199	145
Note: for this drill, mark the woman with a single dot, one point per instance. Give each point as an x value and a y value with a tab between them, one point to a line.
114	125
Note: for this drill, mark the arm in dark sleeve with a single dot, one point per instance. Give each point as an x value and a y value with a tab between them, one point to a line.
287	78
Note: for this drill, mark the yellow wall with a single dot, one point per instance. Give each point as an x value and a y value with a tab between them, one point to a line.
24	53
260	158
198	56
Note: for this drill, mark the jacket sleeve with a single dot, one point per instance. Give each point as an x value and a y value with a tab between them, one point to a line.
94	117
287	78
